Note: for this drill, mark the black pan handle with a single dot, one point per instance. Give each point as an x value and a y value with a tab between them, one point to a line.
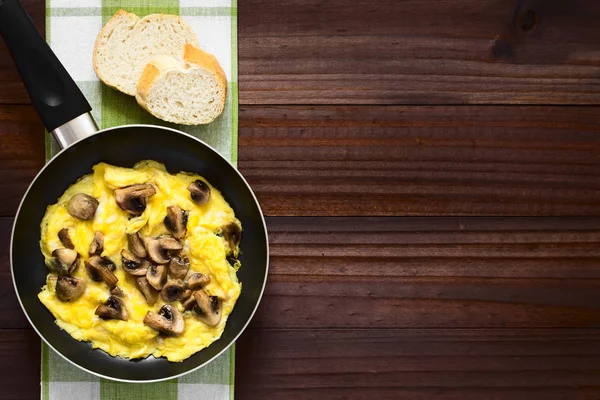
53	92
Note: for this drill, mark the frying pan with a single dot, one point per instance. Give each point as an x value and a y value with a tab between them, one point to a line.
65	112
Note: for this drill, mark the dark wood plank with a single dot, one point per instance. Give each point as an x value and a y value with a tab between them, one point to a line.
419	52
21	154
432	272
19	364
545	364
416	273
418	364
400	160
405	52
422	160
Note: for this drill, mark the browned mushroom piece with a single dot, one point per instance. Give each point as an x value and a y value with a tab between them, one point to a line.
208	308
170	244
117	291
198	281
97	245
199	192
65	238
176	221
100	269
133	198
82	206
189	303
150	294
232	234
155	251
173	290
136	245
159	249
133	265
157	276
69	288
105	262
179	267
64	261
168	320
113	308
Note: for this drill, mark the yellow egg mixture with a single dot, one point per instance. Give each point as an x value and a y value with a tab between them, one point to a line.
205	249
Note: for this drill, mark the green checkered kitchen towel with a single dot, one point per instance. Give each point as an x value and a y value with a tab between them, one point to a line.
71	29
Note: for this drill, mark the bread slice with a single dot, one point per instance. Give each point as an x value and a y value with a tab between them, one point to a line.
189	91
126	43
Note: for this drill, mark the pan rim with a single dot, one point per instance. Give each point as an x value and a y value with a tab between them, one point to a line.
262	290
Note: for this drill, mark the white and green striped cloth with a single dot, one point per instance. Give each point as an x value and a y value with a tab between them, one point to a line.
71	29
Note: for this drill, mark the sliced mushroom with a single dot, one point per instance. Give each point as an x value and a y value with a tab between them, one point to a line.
168	320
199	192
176	221
69	288
232	234
189	303
117	291
158	248
173	290
100	269
208	308
82	206
157	276
148	291
113	308
155	251
133	198
103	261
179	267
133	265
97	245
65	239
170	244
198	281
136	245
64	261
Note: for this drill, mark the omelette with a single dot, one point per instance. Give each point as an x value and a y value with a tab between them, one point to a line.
141	261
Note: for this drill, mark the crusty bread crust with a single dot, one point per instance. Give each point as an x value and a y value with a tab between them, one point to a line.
160	66
123	19
206	60
154	68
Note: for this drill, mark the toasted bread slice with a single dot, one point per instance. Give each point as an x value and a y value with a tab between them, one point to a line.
189	91
127	43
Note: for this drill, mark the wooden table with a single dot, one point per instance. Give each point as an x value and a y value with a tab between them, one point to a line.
431	175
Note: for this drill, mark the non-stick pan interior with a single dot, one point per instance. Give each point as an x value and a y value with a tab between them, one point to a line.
124	147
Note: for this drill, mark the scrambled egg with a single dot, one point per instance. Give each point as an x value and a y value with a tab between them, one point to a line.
204	247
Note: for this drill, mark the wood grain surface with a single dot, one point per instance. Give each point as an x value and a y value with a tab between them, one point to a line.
362	364
430	173
406	52
388	307
446	364
419	52
21	153
398	160
393	160
329	273
20	353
